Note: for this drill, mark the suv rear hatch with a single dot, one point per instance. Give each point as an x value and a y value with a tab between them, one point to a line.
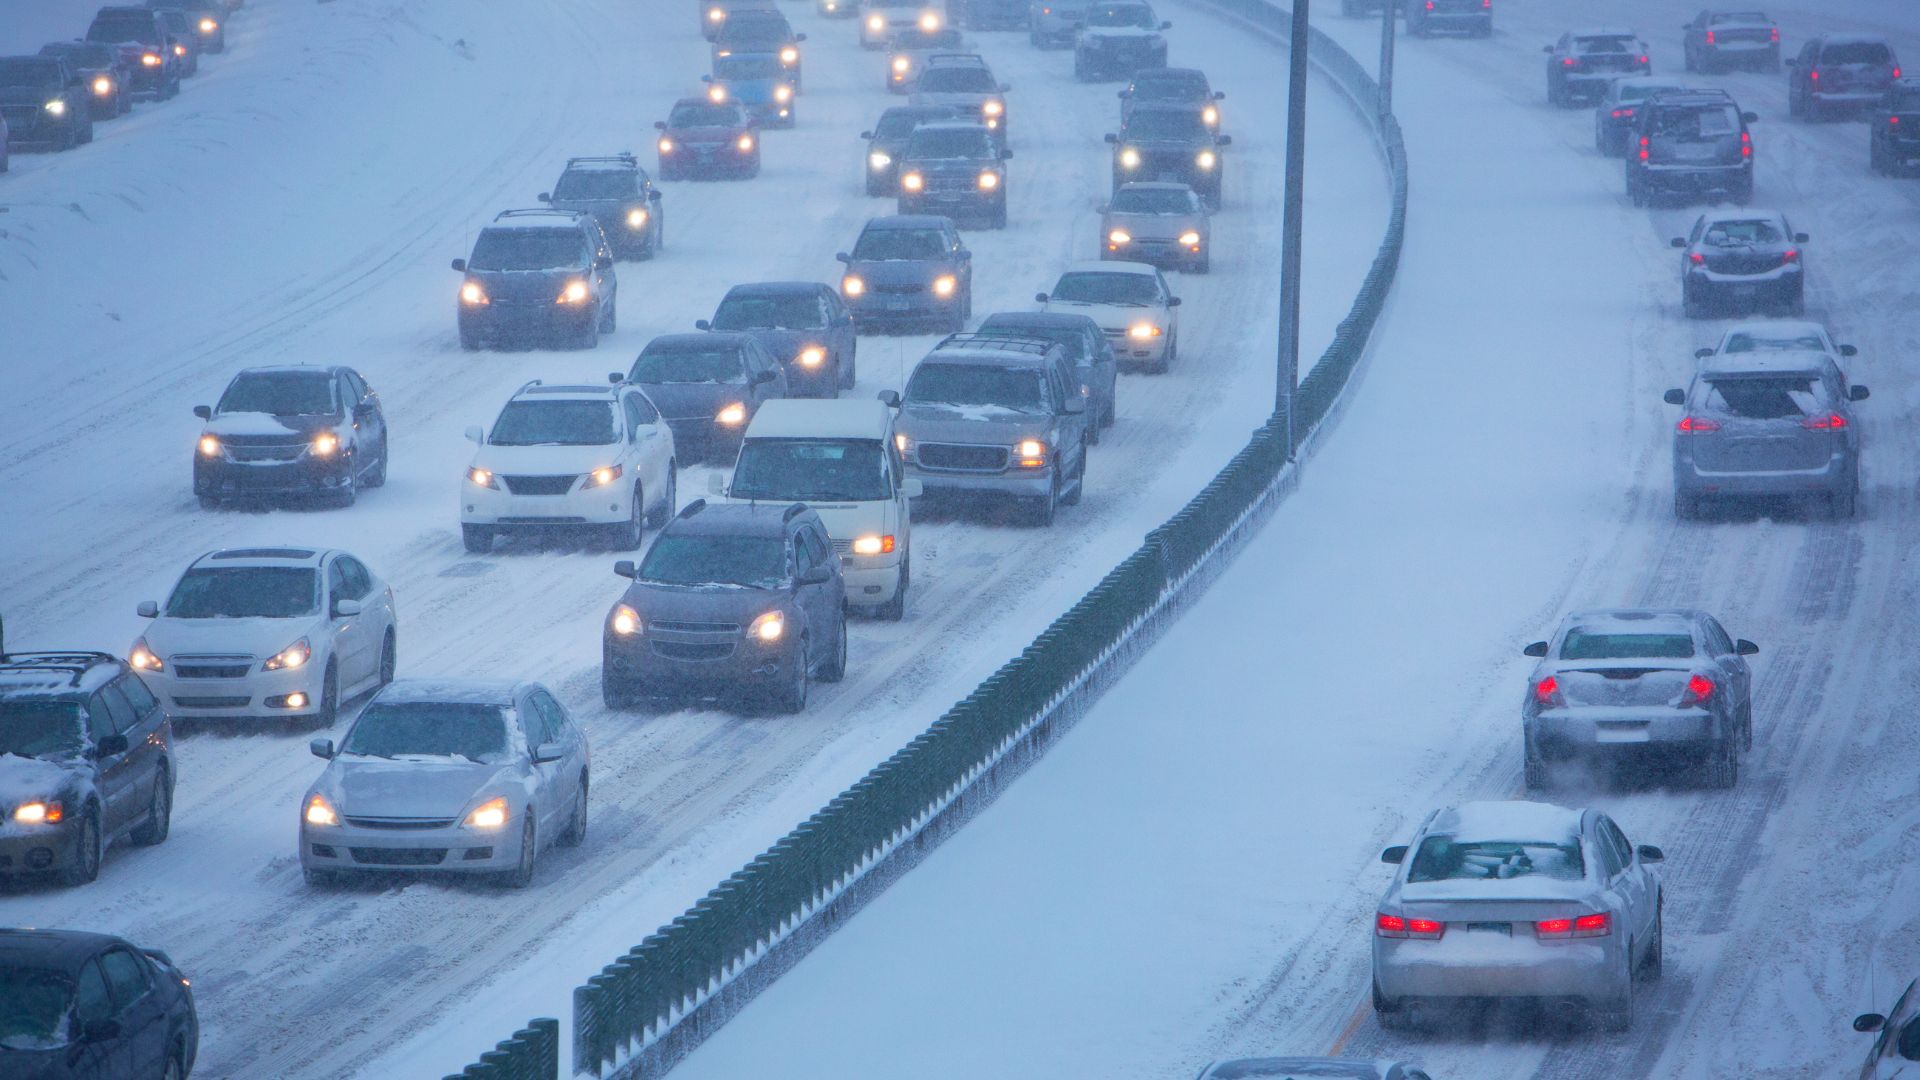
1769	422
1693	135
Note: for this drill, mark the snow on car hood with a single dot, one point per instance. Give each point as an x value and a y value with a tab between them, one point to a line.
546	460
413	787
1152	226
259	423
23	779
168	637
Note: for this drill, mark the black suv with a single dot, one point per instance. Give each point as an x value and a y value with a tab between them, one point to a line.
957	169
735	597
620	196
1690	142
86	757
1840	74
1173	86
108	79
1173	144
291	431
1893	140
83	1005
205	18
538	273
46	103
1117	39
145	43
888	140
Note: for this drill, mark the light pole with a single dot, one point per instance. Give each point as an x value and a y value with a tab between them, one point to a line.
1288	377
1386	56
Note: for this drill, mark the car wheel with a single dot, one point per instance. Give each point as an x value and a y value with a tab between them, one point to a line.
1093	434
896	609
609	315
209	502
469	340
1047	506
660	515
1616	1016
159	812
522	874
86	856
793	696
1079	480
588	336
86	132
615	694
1692	305
389	658
329	697
1876	162
1167	356
1721	770
1653	965
69	138
627	534
1686	507
477	539
836	667
349	492
576	833
1107	416
377	476
1391	1014
1843	504
1746	726
173	1068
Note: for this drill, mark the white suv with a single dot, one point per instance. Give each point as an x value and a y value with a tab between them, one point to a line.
1132	304
570	456
842	459
268	632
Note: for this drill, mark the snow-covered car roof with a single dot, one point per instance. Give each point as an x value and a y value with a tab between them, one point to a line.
796	418
1603	32
263	556
1777	328
1506	820
1768	362
909	221
541	218
1308	1068
1110	266
1722	217
1853	39
466	691
1632	620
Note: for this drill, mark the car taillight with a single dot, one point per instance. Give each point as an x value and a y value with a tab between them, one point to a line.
1486	5
1644	143
1791	255
1568	61
1599	924
1814	74
1429	5
1621	114
1696	258
1710	37
1547	692
1696	425
1829	422
1896	72
1644	61
1773	35
1394	926
1699	689
1893	121
1389	925
1746	145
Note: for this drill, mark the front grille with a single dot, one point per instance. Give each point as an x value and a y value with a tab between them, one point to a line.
899	290
399	822
963	457
265	453
211	671
683	650
843	548
212	702
539	485
694	627
398	856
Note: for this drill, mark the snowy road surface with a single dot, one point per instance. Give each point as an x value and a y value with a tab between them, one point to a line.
299	202
1192	873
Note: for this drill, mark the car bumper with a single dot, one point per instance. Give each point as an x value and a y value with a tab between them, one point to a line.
238	699
37	850
717	163
1560	734
1465	964
1453	20
38	133
505	321
1025	483
954	204
452	849
1168	253
608	505
771	114
870	309
870	582
238	479
1700	178
664	665
1131	350
1834	477
1862	97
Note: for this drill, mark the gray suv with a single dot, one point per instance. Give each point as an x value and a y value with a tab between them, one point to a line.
997	416
1767	425
620	196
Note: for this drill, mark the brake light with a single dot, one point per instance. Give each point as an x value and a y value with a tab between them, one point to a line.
1547	691
1389	925
1710	37
1599	924
1773	35
1644	61
1644	143
1791	255
1814	74
1696	425
1830	422
1896	72
1696	258
1569	61
1488	5
1394	926
1893	121
1699	689
1619	114
1430	929
1746	145
1429	5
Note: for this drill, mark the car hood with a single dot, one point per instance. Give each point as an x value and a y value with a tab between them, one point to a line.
786	344
169	637
259	423
964	98
972	424
546	460
436	788
23	779
1109	316
702	603
1152	226
900	271
679	401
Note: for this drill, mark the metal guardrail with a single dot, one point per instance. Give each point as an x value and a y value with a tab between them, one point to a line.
663	997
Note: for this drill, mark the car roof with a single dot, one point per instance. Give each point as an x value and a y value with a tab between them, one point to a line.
63	949
610	163
595	391
919	110
1514	819
1631	620
541	218
464	691
1693	95
825	418
776	288
956	59
1851	39
1780	327
1603	32
264	556
909	221
990	350
48	673
1018	319
1155	185
702	518
1752	213
685	101
1110	266
1767	362
952	125
1169	73
290	369
701	339
1306	1068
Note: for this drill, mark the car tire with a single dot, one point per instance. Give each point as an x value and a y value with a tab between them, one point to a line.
329	697
173	1070
159	812
377	476
626	535
1653	965
522	874
1721	769
576	833
209	502
615	693
610	314
1843	505
1079	480
88	851
349	493
588	336
389	658
1876	162
1391	1014
660	515
836	665
1796	104
1080	69
1107	416
1047	507
469	340
86	131
69	138
477	539
319	879
1686	507
1746	726
1616	1015
792	697
1167	356
896	609
1692	305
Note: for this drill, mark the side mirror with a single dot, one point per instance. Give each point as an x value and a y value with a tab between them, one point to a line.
1702	354
603	262
548	751
1869	1022
660	125
1800	238
1224	140
204	412
1537	649
912	487
1674	397
545	196
100	1031
1546	48
1039	298
1166	24
460	265
1395	855
1219	95
147	610
1006	154
1076	405
321	748
475	435
1848	350
1112	138
653	196
624	568
616	378
346	609
1649	853
841	256
1857	393
1749	118
716	485
817	575
1677	242
1745	647
702	324
766	376
797	38
889	398
706	78
110	746
1103	208
1173	301
866	135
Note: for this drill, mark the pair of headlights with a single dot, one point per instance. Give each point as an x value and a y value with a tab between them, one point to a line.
768	628
325	444
943	286
1119	237
492	814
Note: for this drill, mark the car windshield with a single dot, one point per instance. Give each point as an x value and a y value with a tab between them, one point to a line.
1167	124
1270	1069
957	79
124	26
554	423
1134	15
40	728
1754	341
281	393
1095	287
1584	644
754	66
1742	233
34	1006
80	52
527	249
245	592
1605	43
700	116
28	71
895	124
1771	397
895	3
400	729
1699	122
1857	52
811	470
1170	88
769	311
597	184
883	244
689	364
1150	201
978	386
1442	858
936	143
754	562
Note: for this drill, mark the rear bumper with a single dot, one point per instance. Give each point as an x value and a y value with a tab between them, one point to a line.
1698	178
1860	98
1561	734
718	163
1479	965
1837	476
1452	20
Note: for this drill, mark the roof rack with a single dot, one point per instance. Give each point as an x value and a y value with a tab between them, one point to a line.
624	157
526	386
75	664
1036	346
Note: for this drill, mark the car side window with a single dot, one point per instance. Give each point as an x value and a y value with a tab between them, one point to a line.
128	978
138	695
640	412
337	582
817	541
1717	638
359	579
91	1001
118	709
796	555
1610	864
1622	850
99	720
541	727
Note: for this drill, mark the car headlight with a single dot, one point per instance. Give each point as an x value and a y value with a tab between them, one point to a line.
989	180
491	814
604	475
715	14
812	356
901	64
1190	238
912	182
102	86
1143	330
873	545
324	444
320	812
1210	116
1129	158
636	219
992	108
789	55
57	107
852	286
209	446
783	93
179	50
731	415
290	657
482	478
876	23
930	21
1206	159
208	26
143	658
877	161
901	443
625	621
471	293
575	293
716	94
745	143
768	627
944	285
1032	453
40	812
1119	236
666	146
150	60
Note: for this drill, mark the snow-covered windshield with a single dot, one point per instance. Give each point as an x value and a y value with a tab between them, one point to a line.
1269	1069
34	1006
527	249
1096	287
40	728
245	592
757	562
1131	200
1166	125
281	393
1442	858
1139	16
752	66
396	729
885	244
937	143
29	71
740	32
1584	644
1772	397
554	423
957	79
1753	341
688	364
1743	233
810	470
597	184
785	311
704	116
964	386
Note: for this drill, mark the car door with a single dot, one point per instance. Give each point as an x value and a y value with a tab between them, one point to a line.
368	420
142	1017
1063	384
349	632
1733	667
115	775
962	260
376	610
651	442
840	320
143	753
829	597
105	1058
1633	881
808	596
1172	311
552	786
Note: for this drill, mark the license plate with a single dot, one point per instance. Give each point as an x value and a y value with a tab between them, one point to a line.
1745	292
1503	928
1621	733
895	304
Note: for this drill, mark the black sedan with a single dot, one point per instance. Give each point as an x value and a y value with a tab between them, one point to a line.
44	103
103	71
83	1006
1742	259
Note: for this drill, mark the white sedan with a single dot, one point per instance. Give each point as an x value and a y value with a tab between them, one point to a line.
1797	335
1132	303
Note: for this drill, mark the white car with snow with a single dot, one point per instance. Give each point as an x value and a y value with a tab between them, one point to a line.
1132	303
1794	335
267	633
1517	900
594	457
842	459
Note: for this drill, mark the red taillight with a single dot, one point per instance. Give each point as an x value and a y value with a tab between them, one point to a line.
1893	121
1696	425
1553	927
1425	928
1568	61
1710	37
1389	925
1746	145
1547	691
1773	35
1791	255
1487	5
1896	73
1830	422
1429	5
1644	143
1814	74
1696	258
1395	926
1699	689
1599	924
1644	61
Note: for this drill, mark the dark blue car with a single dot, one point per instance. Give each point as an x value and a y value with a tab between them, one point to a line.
803	324
909	268
83	1006
757	83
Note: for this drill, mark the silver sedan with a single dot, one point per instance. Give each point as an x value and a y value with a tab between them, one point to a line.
1504	900
458	776
1310	1068
1159	223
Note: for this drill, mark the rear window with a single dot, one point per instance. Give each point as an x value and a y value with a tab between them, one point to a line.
1747	17
1582	644
125	26
1609	43
1774	397
1442	858
1857	52
1697	122
1743	233
1751	342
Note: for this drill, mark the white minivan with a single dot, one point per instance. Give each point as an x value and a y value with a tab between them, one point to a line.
840	458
